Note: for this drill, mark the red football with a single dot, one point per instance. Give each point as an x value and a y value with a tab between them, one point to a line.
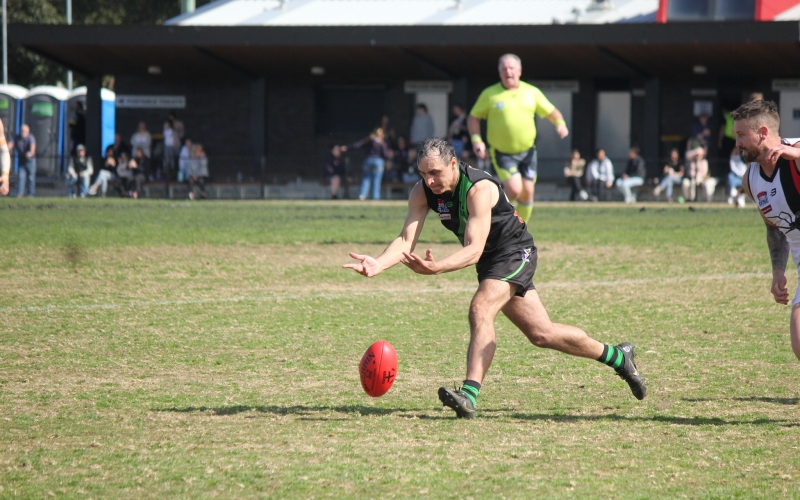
378	368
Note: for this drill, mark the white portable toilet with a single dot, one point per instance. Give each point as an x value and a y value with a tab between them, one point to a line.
46	117
108	114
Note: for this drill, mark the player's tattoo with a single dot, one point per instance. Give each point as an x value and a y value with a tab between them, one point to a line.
778	247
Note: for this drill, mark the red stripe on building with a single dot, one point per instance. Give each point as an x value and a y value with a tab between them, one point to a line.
766	10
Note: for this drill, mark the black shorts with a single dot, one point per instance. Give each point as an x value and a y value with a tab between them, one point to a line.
508	165
517	266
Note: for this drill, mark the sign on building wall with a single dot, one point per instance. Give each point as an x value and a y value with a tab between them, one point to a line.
151	101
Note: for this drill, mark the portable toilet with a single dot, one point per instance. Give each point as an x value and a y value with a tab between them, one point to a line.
11	97
46	117
107	118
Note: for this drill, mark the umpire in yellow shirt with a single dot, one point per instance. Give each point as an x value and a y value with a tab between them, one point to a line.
509	108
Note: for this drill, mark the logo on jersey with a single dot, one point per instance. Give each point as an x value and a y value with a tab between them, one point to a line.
500	105
773	192
763	202
444	212
526	255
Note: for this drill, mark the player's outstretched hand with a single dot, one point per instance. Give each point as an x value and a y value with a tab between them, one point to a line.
368	266
788	152
420	265
779	290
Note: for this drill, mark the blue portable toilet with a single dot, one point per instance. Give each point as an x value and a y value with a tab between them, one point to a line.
11	108
45	114
107	118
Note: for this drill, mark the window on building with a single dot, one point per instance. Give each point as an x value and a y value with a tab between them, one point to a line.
711	10
349	109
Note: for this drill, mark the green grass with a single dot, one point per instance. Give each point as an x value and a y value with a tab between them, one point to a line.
152	349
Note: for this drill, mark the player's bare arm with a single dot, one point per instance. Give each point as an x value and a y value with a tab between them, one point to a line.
480	200
779	254
774	153
405	242
474	127
557	119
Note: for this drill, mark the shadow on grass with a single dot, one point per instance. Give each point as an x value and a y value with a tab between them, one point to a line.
750	399
314	412
613	417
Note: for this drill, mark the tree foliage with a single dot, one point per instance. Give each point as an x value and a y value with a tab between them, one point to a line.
28	69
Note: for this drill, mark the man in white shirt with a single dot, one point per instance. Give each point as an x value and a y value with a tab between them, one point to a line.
600	175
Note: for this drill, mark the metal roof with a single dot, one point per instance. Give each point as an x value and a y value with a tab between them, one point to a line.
416	12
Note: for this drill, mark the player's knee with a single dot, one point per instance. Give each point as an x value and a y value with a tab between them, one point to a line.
479	313
540	337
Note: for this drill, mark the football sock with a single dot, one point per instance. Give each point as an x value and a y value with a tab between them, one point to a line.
524	210
611	356
471	389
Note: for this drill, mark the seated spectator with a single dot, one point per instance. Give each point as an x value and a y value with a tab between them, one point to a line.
79	171
142	139
198	171
334	170
120	146
184	159
633	175
139	167
600	176
697	175
411	174
107	173
574	171
673	173
738	169
125	178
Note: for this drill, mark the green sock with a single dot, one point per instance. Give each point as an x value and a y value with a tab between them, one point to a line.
525	210
611	356
471	389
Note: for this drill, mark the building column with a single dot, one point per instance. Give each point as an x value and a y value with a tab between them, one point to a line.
94	120
651	133
258	122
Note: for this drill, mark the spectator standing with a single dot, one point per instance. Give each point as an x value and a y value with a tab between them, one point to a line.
697	166
120	147
142	139
334	169
107	173
171	142
574	171
139	167
510	108
184	160
374	163
177	125
79	172
198	171
5	161
738	168
601	176
727	139
25	145
633	176
673	173
458	133
422	127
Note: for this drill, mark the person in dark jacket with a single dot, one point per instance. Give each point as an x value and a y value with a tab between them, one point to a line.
633	175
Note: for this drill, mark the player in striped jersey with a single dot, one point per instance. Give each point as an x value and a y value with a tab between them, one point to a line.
773	182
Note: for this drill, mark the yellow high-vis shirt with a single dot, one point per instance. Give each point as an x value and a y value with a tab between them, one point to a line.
509	115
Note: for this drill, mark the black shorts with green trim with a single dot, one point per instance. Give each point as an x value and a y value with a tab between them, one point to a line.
516	266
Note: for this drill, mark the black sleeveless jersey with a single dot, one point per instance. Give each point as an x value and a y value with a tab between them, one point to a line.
508	232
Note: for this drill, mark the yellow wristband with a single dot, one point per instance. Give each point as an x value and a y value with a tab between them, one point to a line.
475	138
560	122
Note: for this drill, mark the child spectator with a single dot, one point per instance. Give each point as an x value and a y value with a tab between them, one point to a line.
184	160
334	169
198	171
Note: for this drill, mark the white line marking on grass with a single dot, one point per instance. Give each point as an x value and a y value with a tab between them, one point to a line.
338	295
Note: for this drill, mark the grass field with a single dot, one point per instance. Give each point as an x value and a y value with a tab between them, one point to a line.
153	349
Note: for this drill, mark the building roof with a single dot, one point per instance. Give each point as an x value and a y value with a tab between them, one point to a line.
416	12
